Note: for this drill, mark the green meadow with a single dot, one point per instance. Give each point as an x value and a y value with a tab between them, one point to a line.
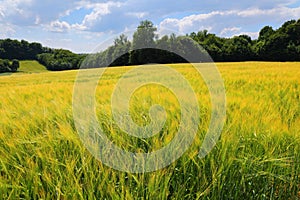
29	66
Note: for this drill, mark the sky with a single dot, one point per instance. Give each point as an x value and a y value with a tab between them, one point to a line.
82	25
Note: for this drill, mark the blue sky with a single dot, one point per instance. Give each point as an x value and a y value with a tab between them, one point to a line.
81	25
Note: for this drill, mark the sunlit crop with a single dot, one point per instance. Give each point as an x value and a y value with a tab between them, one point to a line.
257	156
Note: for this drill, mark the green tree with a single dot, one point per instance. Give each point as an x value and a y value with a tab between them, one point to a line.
144	36
15	65
120	55
265	33
4	66
143	44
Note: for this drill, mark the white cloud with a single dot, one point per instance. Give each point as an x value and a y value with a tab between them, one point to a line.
280	11
138	15
230	30
79	27
37	20
7	30
57	26
34	12
25	13
253	35
99	10
92	17
62	26
236	31
13	8
225	22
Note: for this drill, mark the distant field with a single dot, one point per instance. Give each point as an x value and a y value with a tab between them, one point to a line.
31	67
257	157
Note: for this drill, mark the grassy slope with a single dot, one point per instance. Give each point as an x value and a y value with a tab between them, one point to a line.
258	156
30	66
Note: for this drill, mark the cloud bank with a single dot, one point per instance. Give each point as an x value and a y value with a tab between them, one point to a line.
84	22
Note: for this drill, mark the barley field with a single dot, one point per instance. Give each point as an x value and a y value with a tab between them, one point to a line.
257	156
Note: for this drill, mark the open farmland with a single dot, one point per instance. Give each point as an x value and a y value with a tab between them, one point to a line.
257	156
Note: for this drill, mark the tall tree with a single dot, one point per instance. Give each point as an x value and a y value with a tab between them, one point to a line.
15	65
144	35
120	55
143	44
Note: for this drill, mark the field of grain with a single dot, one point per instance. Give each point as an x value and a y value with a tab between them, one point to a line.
257	156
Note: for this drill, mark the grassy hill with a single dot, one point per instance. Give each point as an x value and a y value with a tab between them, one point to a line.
257	156
31	66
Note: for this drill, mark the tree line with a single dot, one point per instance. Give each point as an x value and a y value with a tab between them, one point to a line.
60	59
147	48
53	59
11	51
21	50
282	44
7	66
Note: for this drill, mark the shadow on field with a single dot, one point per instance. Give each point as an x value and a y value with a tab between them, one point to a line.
6	74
